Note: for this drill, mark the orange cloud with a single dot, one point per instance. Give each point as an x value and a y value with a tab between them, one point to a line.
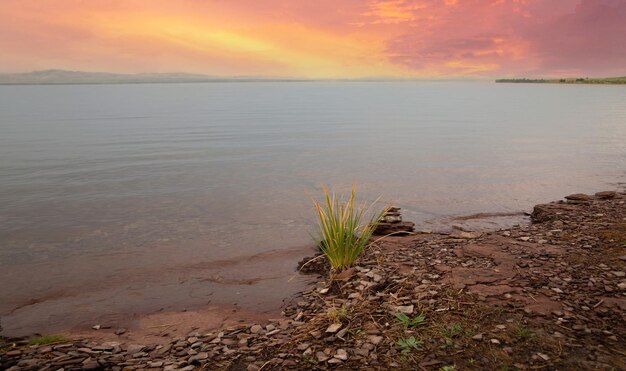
325	38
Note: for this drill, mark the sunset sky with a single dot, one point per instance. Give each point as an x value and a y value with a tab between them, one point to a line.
318	39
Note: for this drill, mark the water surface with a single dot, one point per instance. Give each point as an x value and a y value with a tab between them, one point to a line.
135	198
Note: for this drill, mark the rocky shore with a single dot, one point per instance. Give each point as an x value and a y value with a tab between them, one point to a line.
550	294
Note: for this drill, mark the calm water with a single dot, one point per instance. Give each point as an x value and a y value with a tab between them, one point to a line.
106	185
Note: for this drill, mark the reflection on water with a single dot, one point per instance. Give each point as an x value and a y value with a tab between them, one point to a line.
177	174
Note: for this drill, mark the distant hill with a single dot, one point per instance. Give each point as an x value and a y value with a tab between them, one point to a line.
579	80
52	77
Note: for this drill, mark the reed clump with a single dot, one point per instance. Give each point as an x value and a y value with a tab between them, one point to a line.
344	229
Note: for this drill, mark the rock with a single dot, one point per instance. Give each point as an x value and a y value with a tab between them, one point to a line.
13	353
198	357
543	356
546	212
155	364
96	327
495	341
478	337
333	328
342	333
120	331
578	197
321	356
256	329
394	228
465	235
134	348
406	309
374	339
606	195
619	273
341	354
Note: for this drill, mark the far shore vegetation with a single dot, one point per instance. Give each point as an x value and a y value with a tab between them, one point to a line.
571	80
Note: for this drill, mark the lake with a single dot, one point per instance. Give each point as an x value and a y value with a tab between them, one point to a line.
118	199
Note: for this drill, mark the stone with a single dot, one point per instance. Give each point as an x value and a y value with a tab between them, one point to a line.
120	331
406	309
198	357
374	339
333	328
606	195
465	235
341	354
619	273
543	356
394	228
477	337
256	329
578	197
495	341
134	348
321	356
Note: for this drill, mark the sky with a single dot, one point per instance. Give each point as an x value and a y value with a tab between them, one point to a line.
318	39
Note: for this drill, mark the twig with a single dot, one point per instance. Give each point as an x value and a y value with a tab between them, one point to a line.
598	303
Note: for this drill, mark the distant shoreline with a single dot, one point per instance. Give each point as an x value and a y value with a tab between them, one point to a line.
596	81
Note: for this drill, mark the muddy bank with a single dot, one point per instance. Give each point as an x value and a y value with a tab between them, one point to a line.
547	295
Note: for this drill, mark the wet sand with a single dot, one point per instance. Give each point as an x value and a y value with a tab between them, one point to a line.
224	289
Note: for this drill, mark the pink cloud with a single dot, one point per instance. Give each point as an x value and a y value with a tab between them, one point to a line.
591	39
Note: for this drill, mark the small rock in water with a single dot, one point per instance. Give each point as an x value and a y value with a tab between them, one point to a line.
578	198
606	195
120	331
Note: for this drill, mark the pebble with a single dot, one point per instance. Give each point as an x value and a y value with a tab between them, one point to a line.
341	354
321	356
494	341
478	337
375	339
333	328
256	329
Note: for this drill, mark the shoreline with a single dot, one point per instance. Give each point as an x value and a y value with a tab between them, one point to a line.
525	278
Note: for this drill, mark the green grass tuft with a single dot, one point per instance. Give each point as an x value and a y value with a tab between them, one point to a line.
343	229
